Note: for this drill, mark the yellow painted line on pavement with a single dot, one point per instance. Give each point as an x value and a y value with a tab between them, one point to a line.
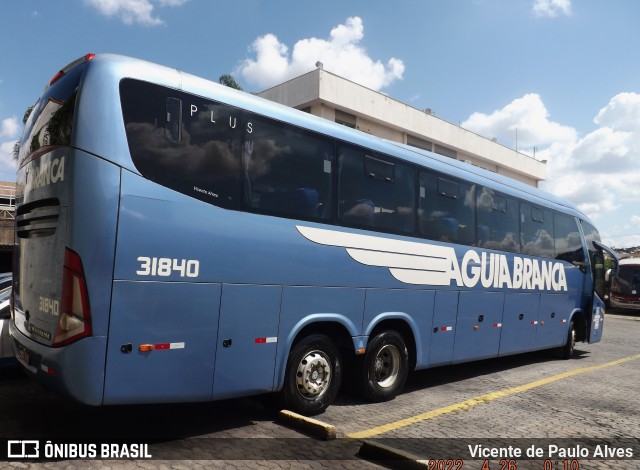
470	403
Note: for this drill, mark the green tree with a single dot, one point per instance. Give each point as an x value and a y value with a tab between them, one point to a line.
228	80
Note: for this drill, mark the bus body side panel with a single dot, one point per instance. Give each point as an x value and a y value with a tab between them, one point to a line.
412	307
79	366
443	331
554	315
478	326
92	230
247	340
519	323
178	322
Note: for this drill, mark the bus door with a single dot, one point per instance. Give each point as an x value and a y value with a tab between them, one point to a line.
597	259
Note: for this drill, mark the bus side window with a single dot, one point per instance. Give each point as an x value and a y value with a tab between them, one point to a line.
446	211
287	171
183	142
568	244
536	227
498	221
375	191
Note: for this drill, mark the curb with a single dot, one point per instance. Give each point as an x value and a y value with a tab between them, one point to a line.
311	427
396	458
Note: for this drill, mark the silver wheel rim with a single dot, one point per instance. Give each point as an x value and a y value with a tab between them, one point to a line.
572	339
313	375
386	366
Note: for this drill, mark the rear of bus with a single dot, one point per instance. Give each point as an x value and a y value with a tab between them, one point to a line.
66	214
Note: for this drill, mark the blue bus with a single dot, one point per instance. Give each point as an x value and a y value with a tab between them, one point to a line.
178	240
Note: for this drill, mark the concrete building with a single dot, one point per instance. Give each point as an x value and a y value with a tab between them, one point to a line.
7	223
332	97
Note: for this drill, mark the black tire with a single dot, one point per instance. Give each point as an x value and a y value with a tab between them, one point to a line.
313	375
566	351
386	366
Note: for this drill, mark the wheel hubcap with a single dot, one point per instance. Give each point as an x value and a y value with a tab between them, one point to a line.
313	375
387	366
573	339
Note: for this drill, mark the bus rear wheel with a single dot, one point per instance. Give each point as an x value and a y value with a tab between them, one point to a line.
386	366
313	375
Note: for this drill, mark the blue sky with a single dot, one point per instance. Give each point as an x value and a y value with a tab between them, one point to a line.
564	73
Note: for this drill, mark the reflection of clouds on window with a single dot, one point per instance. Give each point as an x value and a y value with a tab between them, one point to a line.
498	224
204	163
568	245
485	200
287	171
263	153
542	245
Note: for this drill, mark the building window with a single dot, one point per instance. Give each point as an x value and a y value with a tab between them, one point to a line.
345	119
446	151
419	143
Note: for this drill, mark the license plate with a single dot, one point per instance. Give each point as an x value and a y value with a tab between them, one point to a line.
23	355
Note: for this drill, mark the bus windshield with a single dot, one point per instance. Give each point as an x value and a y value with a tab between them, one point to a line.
50	123
627	281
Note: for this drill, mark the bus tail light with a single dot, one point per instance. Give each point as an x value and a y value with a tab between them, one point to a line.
60	73
74	320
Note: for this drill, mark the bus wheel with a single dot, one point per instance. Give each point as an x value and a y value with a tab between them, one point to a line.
386	366
567	350
313	375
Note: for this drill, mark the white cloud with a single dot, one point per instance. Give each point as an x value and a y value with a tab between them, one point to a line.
9	127
341	54
598	171
9	130
7	163
133	11
528	116
551	8
622	113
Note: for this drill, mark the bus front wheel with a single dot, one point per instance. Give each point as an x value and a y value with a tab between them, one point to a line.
386	366
568	349
313	375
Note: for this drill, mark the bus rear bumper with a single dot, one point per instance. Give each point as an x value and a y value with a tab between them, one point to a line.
75	370
624	304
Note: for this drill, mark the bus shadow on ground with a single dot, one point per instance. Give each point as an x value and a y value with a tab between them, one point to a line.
29	411
448	374
181	432
460	372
